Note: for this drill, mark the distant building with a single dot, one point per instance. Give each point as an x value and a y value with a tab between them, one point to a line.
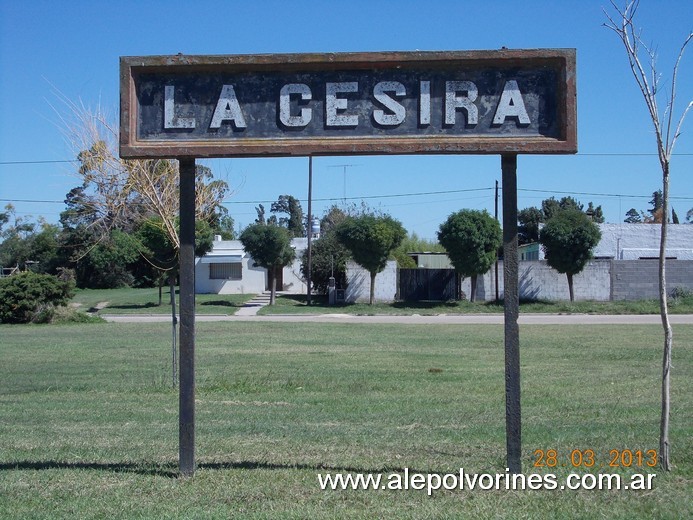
641	241
630	242
533	251
228	269
428	260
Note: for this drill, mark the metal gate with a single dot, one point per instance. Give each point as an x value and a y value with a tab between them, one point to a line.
428	284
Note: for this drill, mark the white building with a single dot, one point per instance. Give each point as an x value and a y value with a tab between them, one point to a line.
631	242
228	269
641	241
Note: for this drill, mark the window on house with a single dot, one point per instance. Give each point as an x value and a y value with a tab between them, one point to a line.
225	271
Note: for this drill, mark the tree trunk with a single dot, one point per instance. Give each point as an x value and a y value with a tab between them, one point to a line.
174	326
668	333
570	287
272	273
372	298
472	296
161	286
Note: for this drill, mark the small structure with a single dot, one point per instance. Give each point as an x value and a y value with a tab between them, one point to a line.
431	260
228	269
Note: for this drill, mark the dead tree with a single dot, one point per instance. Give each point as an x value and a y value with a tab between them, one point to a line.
666	134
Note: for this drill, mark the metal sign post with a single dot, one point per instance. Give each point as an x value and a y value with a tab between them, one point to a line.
186	419
502	102
511	306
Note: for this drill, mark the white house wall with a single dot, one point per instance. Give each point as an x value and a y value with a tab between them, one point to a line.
635	241
253	279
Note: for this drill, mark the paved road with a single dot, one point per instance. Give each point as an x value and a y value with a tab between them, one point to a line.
525	319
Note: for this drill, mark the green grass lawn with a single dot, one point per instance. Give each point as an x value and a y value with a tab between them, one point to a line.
89	421
296	304
146	301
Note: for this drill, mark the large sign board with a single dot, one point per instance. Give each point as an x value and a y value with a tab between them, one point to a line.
480	102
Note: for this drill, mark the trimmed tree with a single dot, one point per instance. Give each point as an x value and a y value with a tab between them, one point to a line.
371	240
472	239
568	239
270	247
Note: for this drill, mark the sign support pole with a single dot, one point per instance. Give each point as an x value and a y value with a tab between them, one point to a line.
309	233
186	418
512	311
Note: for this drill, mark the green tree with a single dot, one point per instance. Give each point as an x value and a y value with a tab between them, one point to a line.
328	257
260	209
293	221
595	214
270	247
4	218
412	243
528	220
28	296
568	239
371	240
29	245
472	239
657	203
225	228
106	265
633	217
551	206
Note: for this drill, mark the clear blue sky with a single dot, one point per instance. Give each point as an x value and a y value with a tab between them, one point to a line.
73	47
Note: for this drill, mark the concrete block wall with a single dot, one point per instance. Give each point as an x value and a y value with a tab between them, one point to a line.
539	281
601	280
639	279
359	283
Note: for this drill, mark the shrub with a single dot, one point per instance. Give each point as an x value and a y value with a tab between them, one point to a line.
28	297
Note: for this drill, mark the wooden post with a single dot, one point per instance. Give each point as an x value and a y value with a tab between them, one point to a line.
511	299
186	403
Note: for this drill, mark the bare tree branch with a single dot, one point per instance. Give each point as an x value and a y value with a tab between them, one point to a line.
632	42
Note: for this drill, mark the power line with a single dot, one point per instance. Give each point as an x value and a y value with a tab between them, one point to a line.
400	195
37	201
586	194
582	154
331	199
4	163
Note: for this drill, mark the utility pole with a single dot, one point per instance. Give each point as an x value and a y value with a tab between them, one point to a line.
496	215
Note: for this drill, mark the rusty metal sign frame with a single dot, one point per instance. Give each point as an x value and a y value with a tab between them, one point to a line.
562	61
563	140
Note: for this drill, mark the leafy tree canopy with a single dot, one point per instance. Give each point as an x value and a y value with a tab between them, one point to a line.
371	240
529	219
270	247
568	240
472	239
290	206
